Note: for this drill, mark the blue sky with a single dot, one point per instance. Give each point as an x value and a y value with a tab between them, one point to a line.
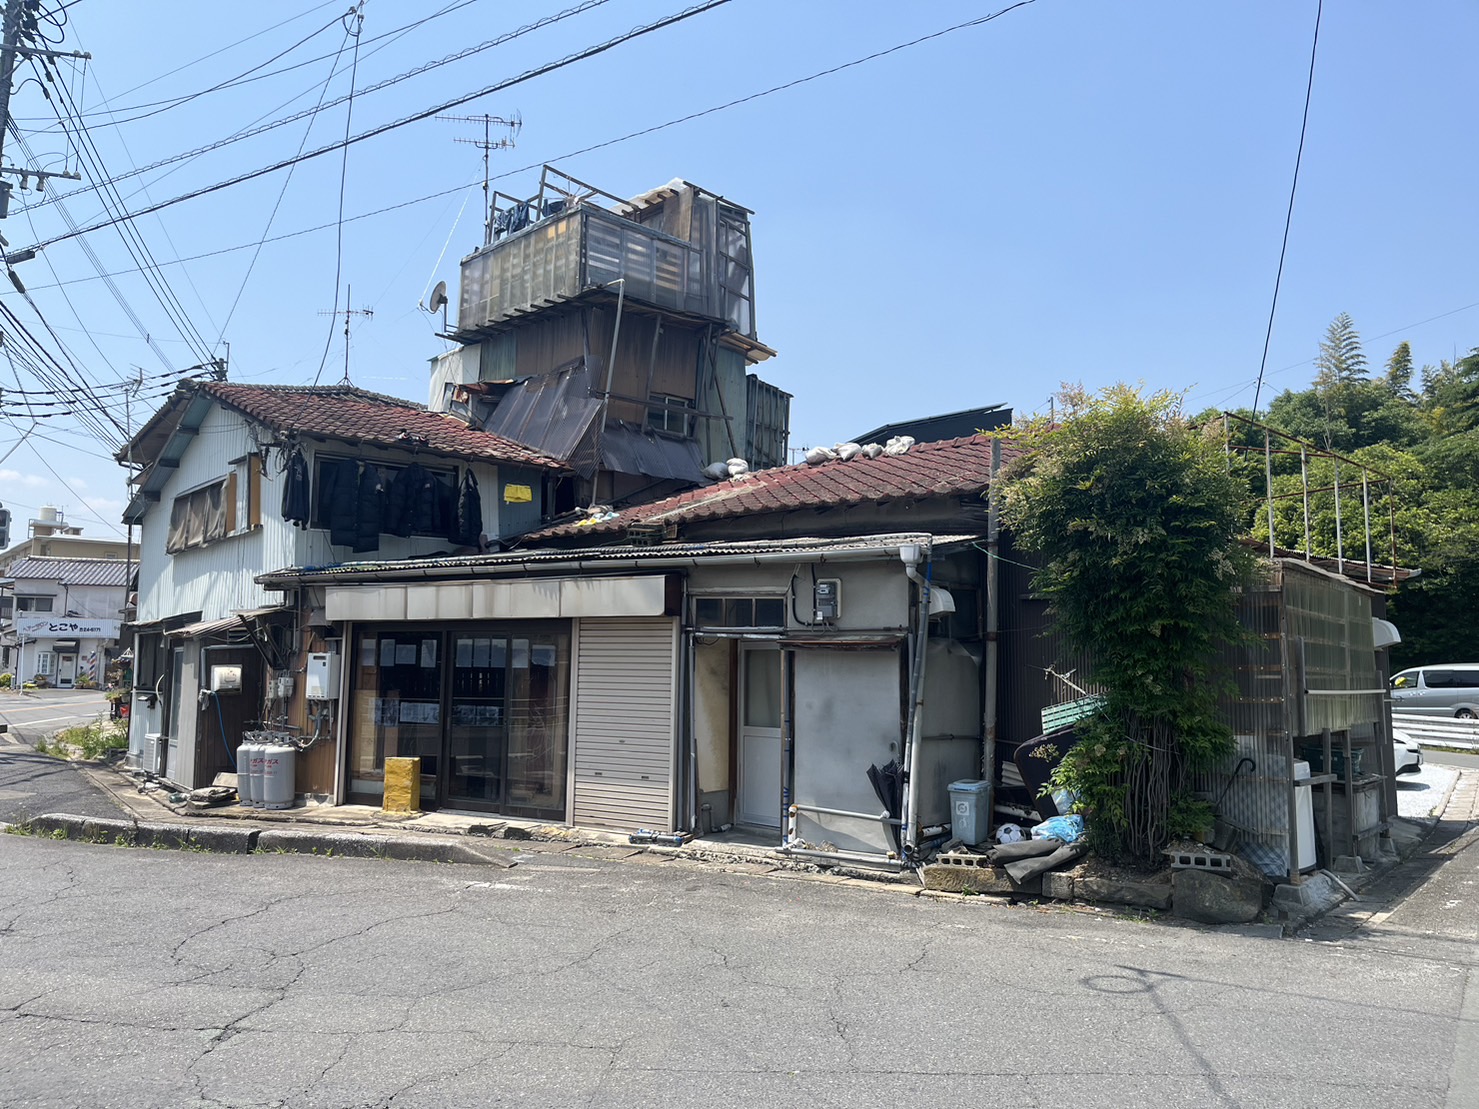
1072	192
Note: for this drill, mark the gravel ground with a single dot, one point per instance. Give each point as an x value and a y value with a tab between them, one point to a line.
1422	794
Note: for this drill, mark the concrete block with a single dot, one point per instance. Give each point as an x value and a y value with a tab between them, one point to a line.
109	830
225	841
317	843
1058	886
402	785
1112	891
1349	864
978	879
171	836
51	824
1316	894
1213	898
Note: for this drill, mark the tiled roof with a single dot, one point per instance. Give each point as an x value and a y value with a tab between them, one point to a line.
71	571
359	416
949	467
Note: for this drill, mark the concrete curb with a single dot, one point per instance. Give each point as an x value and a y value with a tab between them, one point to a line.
240	841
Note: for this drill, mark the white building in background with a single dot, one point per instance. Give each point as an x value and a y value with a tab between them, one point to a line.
60	618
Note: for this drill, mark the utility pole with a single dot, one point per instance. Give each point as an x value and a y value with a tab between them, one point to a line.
17	26
486	144
347	312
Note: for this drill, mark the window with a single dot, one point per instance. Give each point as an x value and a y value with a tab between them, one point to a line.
670	415
43	663
335	476
739	612
202	515
35	604
247	506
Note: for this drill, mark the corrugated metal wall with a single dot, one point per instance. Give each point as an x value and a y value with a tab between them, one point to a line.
625	682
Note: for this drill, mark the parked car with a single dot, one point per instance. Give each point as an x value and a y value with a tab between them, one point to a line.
1407	753
1451	689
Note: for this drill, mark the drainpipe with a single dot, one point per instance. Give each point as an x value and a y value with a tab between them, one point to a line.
621	296
910	555
993	622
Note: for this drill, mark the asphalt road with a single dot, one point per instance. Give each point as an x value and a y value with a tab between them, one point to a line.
32	784
155	978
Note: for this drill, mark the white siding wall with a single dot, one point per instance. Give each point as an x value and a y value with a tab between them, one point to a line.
217	579
625	671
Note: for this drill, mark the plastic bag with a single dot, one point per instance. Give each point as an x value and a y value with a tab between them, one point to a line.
717	470
737	466
1069	828
898	445
847	451
817	455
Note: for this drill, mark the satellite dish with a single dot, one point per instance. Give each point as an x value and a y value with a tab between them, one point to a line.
438	296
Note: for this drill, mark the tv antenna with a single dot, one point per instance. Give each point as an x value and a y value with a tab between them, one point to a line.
347	312
488	143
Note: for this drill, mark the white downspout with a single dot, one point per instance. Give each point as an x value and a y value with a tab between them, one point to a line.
993	623
909	554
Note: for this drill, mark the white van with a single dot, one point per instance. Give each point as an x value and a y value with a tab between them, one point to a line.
1451	689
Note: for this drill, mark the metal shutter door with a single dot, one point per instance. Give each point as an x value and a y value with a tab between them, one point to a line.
624	709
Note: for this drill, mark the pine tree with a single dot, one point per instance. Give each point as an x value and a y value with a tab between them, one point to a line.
1399	371
1341	360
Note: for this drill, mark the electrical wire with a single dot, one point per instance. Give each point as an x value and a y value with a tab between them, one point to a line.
1289	215
246	78
253	131
283	192
127	227
356	14
416	117
439	194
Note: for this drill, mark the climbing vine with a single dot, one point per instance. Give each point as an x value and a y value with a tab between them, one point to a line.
1135	522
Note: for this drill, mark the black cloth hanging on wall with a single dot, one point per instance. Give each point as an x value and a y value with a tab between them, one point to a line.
296	502
413	503
469	529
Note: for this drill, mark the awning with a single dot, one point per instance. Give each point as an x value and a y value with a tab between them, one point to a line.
64	645
206	628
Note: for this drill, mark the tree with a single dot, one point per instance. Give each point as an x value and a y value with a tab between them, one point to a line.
1340	361
1340	372
1137	520
1398	377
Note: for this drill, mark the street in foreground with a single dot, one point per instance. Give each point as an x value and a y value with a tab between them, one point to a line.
158	978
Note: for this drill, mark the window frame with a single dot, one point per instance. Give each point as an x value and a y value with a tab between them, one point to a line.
25	602
664	408
452	475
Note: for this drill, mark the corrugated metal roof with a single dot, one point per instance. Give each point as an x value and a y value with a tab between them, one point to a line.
678	553
71	571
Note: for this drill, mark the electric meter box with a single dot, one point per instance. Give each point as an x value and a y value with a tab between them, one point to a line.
827	598
225	679
321	679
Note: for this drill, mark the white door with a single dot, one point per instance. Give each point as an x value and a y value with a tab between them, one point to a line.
66	670
760	737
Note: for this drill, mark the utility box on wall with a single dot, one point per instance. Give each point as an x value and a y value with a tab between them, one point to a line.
225	679
321	679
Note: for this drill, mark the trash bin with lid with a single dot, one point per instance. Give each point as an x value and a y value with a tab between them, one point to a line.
970	811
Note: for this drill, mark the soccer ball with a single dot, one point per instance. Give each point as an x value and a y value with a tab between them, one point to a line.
1010	833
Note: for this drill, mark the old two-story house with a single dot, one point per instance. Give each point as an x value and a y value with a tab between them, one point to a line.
238	478
617	336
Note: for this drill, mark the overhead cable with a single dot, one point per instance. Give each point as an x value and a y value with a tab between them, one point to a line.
417	117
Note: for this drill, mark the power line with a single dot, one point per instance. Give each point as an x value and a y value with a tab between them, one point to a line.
246	78
439	194
1289	214
356	15
253	131
283	192
374	132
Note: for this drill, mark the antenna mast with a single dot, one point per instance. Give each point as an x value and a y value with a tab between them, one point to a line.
486	144
347	312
